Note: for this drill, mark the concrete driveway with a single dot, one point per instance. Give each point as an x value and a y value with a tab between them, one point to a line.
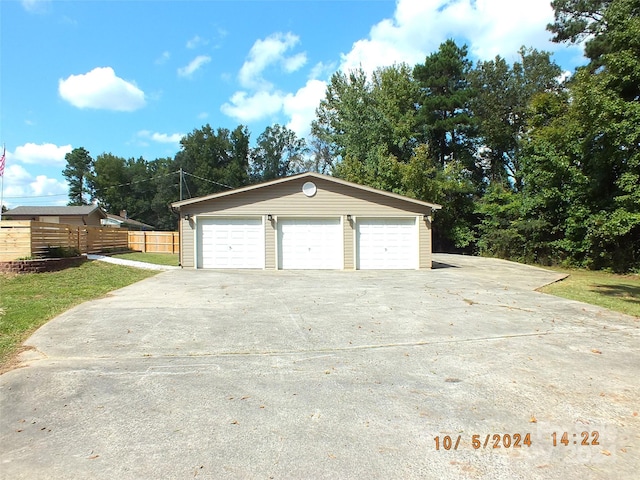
212	374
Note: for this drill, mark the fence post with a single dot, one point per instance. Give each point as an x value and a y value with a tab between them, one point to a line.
144	241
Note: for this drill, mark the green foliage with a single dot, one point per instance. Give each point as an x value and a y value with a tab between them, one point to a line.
345	117
500	227
444	102
454	225
502	95
215	159
278	153
422	176
577	20
78	173
61	252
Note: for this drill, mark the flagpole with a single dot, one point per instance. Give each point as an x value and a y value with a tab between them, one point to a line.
4	159
1	195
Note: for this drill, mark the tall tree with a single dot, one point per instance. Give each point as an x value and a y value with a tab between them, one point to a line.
320	159
278	153
500	104
78	173
369	124
444	105
110	182
214	159
344	116
395	94
165	179
579	20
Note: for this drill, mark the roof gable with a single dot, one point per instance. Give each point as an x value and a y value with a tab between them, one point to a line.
309	175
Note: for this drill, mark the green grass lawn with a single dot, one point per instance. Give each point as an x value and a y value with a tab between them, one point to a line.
30	300
155	258
615	292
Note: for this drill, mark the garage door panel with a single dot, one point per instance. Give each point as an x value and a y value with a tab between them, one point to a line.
232	243
387	244
310	244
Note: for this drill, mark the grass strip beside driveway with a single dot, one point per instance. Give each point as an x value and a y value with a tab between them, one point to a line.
170	259
620	293
28	301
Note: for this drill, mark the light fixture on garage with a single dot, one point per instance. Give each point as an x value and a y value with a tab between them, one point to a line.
187	217
348	217
270	217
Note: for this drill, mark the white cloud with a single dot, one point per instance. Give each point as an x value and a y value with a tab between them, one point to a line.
301	106
43	154
196	42
194	65
36	6
161	137
162	59
20	187
322	70
418	27
101	89
164	138
15	173
267	52
262	101
294	63
44	185
258	106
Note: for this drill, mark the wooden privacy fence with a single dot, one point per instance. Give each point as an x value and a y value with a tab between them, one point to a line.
154	242
29	239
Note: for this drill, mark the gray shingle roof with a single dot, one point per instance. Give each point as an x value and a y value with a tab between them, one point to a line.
130	221
55	211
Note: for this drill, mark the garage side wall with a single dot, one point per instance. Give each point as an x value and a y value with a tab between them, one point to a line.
349	245
270	232
424	243
187	246
286	200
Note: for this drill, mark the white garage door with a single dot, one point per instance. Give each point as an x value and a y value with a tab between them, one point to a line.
385	243
310	244
231	243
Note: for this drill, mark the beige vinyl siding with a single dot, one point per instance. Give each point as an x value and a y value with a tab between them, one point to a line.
287	200
424	243
271	233
349	244
187	246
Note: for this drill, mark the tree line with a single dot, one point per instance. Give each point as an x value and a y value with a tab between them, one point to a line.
527	165
210	160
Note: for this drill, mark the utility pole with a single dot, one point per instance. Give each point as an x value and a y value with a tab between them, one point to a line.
180	183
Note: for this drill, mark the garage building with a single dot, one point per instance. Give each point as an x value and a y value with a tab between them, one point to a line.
305	221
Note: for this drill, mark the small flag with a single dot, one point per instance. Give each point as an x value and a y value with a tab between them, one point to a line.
4	151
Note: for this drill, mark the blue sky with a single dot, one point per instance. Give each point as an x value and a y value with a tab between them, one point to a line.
131	77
